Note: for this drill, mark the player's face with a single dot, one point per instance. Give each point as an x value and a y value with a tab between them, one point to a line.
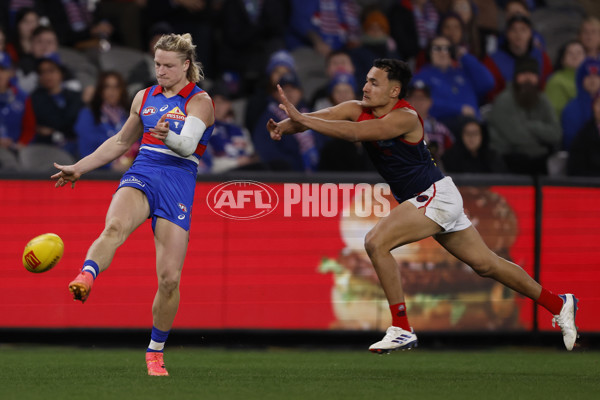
379	90
170	69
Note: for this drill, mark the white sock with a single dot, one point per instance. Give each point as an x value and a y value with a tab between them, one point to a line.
156	346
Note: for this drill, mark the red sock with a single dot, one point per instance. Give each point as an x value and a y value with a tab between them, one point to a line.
399	318
550	301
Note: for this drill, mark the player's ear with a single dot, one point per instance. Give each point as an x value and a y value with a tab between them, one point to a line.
395	92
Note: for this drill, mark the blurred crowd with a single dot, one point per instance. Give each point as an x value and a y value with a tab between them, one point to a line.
503	86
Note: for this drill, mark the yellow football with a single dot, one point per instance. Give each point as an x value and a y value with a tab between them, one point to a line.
43	252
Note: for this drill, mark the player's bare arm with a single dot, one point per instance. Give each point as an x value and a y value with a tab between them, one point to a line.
349	110
113	148
399	122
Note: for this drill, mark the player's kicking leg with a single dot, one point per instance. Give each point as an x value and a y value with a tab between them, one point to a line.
128	210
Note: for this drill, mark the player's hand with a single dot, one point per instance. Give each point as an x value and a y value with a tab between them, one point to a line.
288	107
161	130
67	173
274	129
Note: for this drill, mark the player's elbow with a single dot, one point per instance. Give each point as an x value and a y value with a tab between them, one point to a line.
186	152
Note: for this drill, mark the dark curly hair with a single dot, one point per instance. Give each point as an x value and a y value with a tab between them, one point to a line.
397	71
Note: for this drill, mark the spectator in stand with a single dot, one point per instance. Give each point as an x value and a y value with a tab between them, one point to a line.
561	87
414	25
338	154
196	17
488	13
465	9
17	121
457	86
375	41
336	62
523	125
3	42
77	24
324	25
27	19
578	111
519	44
229	145
44	44
250	31
56	108
471	153
452	27
104	117
584	155
291	153
125	16
280	63
437	136
342	87
520	7
143	74
589	35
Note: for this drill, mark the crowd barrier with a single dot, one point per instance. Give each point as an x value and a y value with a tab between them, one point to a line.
285	252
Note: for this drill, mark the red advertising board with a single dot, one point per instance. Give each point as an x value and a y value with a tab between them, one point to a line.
570	256
301	265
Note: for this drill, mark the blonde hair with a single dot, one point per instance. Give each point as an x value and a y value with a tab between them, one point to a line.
183	45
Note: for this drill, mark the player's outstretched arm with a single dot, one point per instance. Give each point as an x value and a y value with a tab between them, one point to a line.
400	122
348	111
113	148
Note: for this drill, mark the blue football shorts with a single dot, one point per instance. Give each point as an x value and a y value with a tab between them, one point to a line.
169	190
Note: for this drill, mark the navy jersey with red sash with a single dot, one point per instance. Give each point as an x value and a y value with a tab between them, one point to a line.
154	106
407	167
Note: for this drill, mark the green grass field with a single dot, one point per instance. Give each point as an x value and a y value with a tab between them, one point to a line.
30	372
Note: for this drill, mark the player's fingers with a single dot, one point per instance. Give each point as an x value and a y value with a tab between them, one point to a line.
162	118
282	94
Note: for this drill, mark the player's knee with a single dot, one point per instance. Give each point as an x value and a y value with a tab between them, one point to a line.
373	242
114	231
483	266
168	282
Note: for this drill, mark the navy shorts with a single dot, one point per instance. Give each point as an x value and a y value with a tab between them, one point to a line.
169	190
